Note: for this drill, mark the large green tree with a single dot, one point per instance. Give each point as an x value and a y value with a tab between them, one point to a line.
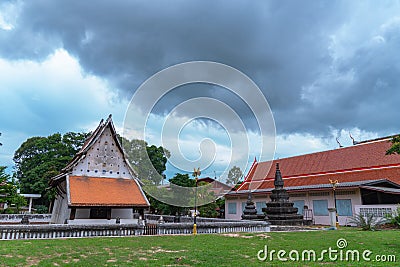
40	158
9	191
148	161
234	175
183	180
395	148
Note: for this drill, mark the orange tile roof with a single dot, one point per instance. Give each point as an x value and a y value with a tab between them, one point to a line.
96	191
392	174
362	162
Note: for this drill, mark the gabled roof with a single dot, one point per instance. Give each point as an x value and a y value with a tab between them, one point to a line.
86	191
365	161
215	183
90	141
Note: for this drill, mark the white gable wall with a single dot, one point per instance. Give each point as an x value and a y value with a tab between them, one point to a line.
103	159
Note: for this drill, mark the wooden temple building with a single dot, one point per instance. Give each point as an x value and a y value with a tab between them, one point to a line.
98	185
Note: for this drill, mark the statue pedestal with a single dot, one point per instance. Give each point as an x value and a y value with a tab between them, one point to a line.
332	216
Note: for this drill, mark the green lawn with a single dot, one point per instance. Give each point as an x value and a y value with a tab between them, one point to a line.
201	250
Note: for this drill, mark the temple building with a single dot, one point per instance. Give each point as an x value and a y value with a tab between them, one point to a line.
98	185
366	180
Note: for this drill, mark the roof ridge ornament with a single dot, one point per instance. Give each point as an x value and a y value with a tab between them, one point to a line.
337	141
354	141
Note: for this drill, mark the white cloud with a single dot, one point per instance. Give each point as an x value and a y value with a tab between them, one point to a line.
40	98
8	15
299	144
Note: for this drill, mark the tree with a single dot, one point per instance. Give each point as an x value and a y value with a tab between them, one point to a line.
182	180
234	175
209	210
148	161
395	148
40	158
9	191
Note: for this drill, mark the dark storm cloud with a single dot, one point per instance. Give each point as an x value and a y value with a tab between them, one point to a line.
284	46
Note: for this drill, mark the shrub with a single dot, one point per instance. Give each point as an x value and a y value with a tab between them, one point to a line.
394	218
10	211
366	223
41	209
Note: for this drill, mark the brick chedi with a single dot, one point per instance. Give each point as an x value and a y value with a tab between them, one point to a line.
280	210
250	211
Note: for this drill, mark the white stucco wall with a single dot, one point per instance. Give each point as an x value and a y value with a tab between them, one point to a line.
237	201
352	194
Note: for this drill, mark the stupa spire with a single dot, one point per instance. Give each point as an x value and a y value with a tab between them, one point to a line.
278	182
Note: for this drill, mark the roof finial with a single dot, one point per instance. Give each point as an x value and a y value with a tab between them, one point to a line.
337	141
354	141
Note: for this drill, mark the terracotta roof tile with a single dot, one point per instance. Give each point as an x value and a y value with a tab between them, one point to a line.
366	161
95	191
392	174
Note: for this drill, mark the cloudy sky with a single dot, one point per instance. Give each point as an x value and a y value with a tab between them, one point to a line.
326	68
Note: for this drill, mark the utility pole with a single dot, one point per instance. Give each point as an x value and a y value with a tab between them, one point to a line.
334	184
196	174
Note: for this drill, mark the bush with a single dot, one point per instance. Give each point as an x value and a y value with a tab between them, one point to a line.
394	218
10	211
41	209
366	223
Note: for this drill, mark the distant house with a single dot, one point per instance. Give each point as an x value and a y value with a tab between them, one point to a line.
216	187
368	182
98	185
219	188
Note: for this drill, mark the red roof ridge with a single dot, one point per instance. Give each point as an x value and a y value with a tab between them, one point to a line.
328	173
250	173
388	138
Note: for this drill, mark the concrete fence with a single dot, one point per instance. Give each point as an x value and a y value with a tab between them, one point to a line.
378	211
214	227
183	219
17	218
8	232
64	230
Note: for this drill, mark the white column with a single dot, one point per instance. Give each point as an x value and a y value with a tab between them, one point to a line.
332	216
30	205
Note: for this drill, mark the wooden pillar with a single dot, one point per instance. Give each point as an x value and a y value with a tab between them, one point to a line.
379	197
108	213
141	212
72	214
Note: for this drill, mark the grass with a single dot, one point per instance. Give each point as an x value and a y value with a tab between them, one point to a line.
201	250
